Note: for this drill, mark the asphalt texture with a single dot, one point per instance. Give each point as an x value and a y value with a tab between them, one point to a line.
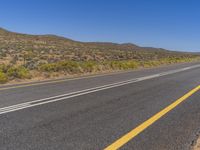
95	120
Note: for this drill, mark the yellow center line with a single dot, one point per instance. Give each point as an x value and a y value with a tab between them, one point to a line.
133	133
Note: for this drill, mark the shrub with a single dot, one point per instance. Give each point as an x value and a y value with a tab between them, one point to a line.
124	65
89	66
3	68
67	66
48	68
18	72
3	78
74	67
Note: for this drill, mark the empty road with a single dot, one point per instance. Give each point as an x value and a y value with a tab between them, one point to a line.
149	109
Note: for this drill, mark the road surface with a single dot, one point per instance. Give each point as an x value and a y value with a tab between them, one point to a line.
154	109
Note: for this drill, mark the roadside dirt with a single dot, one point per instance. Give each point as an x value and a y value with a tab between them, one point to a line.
197	146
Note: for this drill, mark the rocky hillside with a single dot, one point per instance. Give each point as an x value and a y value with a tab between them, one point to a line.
47	53
38	49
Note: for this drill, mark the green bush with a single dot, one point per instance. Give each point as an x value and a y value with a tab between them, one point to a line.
18	72
3	78
3	68
74	67
10	72
66	66
124	65
89	66
48	68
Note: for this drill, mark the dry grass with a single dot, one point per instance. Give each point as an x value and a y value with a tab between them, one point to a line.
24	57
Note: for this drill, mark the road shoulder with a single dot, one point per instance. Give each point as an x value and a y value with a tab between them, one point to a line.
197	146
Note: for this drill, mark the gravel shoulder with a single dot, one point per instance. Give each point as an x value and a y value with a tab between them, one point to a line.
197	146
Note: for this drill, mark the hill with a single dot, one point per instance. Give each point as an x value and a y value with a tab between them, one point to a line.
51	53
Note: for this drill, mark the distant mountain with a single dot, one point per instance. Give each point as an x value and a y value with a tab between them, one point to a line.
34	42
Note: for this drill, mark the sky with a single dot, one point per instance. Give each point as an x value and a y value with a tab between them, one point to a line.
169	24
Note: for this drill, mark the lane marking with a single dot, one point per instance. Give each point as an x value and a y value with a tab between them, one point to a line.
72	79
43	101
133	133
61	80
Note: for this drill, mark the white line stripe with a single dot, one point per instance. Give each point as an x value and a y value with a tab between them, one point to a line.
87	91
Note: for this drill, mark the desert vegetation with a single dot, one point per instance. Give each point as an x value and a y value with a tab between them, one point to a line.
25	57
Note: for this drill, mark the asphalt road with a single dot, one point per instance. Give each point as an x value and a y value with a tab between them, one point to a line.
92	113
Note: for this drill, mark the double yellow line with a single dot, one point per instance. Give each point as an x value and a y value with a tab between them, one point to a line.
130	135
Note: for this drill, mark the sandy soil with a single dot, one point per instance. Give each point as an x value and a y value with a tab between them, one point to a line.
197	146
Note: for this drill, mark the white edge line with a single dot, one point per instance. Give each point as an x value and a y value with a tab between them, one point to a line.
21	106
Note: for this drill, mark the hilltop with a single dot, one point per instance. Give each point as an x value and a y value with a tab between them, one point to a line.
51	53
51	48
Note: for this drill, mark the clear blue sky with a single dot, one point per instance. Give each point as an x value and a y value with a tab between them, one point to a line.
170	24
